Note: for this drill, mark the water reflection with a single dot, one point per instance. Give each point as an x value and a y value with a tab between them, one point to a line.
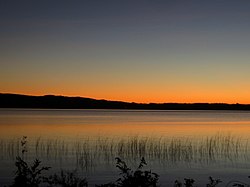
175	143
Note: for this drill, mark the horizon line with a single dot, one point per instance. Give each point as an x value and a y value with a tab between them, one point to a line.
102	99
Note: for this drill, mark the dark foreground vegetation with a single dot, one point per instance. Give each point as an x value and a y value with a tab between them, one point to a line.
33	176
61	102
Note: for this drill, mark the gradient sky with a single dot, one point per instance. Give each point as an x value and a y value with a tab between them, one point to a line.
142	51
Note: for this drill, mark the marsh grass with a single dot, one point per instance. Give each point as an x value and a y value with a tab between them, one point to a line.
89	152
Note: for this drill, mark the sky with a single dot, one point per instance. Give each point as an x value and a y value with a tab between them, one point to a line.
135	50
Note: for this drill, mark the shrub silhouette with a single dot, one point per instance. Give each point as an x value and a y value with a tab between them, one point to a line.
28	176
213	182
130	178
25	175
66	179
190	182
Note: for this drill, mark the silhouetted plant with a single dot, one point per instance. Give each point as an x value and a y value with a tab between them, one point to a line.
28	175
25	175
137	178
213	182
67	179
187	183
24	145
190	182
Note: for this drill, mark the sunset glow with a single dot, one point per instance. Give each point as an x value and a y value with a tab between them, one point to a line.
169	51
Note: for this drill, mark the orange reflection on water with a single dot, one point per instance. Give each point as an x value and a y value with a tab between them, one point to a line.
170	129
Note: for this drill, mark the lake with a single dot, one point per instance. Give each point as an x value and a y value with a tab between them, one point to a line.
176	144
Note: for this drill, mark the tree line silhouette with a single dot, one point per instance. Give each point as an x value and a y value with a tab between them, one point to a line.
62	102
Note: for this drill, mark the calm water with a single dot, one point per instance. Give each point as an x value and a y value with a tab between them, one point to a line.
89	140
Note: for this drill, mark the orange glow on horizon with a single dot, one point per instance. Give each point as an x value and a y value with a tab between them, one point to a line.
150	97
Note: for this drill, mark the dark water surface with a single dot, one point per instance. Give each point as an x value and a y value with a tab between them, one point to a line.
176	144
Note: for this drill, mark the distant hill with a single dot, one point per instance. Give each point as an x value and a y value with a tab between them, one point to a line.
62	102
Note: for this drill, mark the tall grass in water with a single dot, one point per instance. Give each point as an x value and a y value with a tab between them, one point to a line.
88	152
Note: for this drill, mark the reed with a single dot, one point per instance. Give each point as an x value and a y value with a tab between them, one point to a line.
89	152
